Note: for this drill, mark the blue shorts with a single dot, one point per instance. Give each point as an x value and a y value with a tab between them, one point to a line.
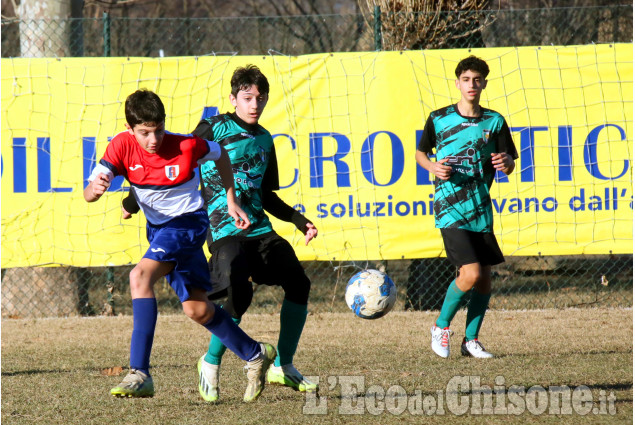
180	241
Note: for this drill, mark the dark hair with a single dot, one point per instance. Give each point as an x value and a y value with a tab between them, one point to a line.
247	76
144	106
472	63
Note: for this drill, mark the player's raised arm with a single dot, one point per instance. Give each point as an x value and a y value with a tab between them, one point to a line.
227	176
97	187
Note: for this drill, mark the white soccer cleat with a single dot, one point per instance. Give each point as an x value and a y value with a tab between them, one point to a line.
208	380
134	384
441	341
257	370
474	348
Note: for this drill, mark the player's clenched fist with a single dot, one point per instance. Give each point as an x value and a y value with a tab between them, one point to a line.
311	233
503	162
441	170
97	187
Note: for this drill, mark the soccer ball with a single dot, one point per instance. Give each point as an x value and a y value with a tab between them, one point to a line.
371	294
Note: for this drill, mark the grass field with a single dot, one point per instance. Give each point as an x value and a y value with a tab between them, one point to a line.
59	371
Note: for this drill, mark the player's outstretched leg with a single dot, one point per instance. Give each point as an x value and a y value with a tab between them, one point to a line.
135	384
256	370
208	380
258	356
292	319
209	369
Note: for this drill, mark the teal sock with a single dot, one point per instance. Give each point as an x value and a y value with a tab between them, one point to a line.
292	320
475	314
451	305
216	348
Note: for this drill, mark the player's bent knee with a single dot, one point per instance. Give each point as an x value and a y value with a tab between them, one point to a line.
198	312
140	284
135	276
471	277
236	310
238	302
299	292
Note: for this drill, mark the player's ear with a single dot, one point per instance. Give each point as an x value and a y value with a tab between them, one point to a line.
129	129
484	84
456	83
232	99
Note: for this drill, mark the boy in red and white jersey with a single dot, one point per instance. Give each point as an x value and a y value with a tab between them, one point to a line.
161	168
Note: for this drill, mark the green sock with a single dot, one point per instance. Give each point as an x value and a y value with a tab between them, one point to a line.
451	305
216	348
292	319
475	314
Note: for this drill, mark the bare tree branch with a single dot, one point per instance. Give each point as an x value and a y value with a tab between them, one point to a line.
419	24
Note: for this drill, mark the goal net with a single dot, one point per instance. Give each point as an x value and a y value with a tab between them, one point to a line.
346	127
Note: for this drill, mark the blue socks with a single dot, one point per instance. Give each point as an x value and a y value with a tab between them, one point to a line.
216	348
144	314
292	320
234	338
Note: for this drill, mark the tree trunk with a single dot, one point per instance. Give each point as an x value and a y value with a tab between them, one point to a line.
43	30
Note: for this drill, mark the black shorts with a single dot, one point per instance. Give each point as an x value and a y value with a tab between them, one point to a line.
466	247
270	260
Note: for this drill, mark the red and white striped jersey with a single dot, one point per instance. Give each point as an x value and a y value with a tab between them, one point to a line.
165	184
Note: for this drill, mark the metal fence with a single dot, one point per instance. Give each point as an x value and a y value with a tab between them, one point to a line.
296	35
520	283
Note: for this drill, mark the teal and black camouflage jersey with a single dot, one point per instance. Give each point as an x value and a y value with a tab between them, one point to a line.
253	158
463	201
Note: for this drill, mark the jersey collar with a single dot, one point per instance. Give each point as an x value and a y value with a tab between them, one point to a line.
249	127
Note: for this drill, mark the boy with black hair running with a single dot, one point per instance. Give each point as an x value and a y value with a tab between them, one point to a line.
161	170
472	143
259	252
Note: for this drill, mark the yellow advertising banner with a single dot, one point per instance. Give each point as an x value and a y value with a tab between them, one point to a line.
346	128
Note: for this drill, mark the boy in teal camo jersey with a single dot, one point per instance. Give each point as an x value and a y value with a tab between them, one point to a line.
472	143
257	253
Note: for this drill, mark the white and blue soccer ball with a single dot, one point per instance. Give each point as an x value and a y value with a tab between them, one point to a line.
371	294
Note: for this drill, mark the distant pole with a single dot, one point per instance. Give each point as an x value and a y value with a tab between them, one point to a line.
377	14
77	28
106	20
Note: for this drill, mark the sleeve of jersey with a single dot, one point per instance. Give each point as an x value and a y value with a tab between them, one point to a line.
207	150
111	164
504	141
428	138
275	206
270	179
204	130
